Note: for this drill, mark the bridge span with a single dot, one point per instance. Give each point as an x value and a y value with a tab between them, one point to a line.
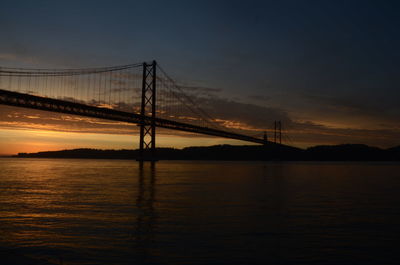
108	93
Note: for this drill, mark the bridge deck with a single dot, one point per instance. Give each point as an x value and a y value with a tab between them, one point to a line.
61	106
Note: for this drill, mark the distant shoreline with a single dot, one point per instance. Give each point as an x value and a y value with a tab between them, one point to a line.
270	152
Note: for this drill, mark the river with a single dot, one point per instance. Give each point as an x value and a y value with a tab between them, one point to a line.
71	211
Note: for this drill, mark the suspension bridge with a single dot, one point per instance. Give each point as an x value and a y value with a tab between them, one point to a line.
143	94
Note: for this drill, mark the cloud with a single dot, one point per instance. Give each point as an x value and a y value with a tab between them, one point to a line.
260	98
357	111
234	116
346	104
201	90
309	133
13	117
7	56
20	58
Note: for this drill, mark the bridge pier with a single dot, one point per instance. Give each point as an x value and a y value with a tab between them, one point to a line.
147	142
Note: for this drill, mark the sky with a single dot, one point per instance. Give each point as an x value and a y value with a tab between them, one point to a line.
327	69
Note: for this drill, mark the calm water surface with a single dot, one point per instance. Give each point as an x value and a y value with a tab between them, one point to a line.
175	212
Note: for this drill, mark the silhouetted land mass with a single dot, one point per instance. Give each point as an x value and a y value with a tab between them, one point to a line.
269	152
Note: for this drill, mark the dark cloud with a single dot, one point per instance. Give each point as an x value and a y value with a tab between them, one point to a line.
260	98
373	110
201	90
242	117
309	133
253	115
13	117
358	105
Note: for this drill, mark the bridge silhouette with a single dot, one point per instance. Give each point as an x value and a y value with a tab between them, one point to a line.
142	94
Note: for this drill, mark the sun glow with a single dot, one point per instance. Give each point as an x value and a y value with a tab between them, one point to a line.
13	141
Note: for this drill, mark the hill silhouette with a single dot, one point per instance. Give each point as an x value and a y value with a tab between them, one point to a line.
269	152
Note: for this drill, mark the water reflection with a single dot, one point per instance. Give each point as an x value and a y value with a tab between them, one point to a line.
174	212
144	232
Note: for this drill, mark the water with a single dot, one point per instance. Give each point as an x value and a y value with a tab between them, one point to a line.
114	212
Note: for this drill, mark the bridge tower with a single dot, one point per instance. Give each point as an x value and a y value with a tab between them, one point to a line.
147	144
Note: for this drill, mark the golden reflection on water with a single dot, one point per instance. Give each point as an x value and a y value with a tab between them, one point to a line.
191	212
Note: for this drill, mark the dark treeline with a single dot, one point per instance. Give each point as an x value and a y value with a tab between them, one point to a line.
347	152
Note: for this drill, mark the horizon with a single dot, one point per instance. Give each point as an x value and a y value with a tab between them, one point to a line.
196	146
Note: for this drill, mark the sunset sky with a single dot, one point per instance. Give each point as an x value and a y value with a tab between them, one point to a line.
329	70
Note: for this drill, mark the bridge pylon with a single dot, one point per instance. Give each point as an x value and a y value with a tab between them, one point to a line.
147	143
